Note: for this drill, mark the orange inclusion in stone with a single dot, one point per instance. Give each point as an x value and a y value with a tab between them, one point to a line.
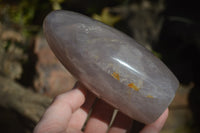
133	86
150	96
115	75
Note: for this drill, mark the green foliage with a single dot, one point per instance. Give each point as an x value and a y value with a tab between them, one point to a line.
157	54
56	4
106	17
23	13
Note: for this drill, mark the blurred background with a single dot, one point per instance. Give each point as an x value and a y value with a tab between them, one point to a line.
31	76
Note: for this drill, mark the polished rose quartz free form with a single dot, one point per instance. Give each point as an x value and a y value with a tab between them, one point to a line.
111	65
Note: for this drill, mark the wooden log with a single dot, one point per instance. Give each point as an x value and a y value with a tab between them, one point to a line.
22	100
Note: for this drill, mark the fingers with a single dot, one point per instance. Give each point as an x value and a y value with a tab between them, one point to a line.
59	113
157	125
65	115
100	118
79	117
121	124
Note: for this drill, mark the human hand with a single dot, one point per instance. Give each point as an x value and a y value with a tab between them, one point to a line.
69	111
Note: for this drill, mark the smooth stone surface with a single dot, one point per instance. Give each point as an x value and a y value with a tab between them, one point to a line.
111	65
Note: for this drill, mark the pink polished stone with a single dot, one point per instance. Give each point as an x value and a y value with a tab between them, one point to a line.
111	65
